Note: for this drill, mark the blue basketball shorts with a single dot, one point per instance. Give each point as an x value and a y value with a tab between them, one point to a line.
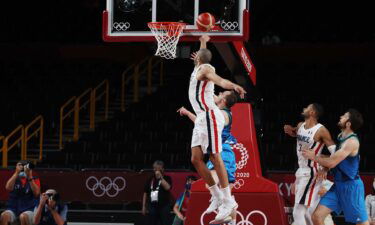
347	197
229	160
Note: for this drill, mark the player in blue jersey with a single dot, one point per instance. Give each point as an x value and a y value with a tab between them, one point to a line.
347	194
224	101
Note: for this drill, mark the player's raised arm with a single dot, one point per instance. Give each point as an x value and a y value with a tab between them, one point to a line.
207	73
204	39
290	130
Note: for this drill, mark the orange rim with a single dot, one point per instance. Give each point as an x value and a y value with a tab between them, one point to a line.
171	25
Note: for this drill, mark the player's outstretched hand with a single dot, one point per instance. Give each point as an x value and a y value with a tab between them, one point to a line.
183	111
193	55
204	38
240	91
289	130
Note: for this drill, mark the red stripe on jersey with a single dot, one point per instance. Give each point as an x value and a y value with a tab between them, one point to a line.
311	193
316	169
316	152
202	95
215	131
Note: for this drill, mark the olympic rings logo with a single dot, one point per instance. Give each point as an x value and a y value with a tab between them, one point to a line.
238	184
105	186
121	26
243	220
229	25
244	155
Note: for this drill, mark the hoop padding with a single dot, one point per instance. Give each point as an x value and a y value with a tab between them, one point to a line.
167	35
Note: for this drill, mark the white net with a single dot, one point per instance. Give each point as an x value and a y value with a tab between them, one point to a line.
167	35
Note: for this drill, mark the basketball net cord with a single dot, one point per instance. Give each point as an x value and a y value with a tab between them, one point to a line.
167	36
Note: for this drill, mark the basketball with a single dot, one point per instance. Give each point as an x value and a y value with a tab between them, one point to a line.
205	21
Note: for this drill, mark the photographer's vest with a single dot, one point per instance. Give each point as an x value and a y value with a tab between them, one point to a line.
22	199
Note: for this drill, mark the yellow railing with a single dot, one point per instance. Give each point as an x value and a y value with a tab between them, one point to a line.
151	63
38	132
64	115
101	90
123	84
7	146
87	98
73	107
2	144
80	104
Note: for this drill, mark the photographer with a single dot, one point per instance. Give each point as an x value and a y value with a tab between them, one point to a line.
50	210
157	196
23	197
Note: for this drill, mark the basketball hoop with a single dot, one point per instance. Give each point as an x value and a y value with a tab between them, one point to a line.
167	35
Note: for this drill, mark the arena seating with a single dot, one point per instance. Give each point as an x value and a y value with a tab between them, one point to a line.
146	131
152	129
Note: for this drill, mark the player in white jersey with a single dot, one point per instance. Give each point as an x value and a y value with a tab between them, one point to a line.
308	182
207	130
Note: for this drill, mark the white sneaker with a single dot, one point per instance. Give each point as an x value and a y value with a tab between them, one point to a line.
228	206
214	205
227	220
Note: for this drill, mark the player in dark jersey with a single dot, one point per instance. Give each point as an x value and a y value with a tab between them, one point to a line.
347	193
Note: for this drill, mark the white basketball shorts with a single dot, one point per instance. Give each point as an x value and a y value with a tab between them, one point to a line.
207	131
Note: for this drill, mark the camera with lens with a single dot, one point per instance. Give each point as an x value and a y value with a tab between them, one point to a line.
27	165
53	197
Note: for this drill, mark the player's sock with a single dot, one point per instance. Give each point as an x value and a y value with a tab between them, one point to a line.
226	193
215	192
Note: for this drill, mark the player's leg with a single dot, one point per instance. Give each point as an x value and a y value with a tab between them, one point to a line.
299	214
234	213
328	220
216	125
229	205
200	166
313	201
365	223
353	202
328	203
300	210
220	170
320	213
230	178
